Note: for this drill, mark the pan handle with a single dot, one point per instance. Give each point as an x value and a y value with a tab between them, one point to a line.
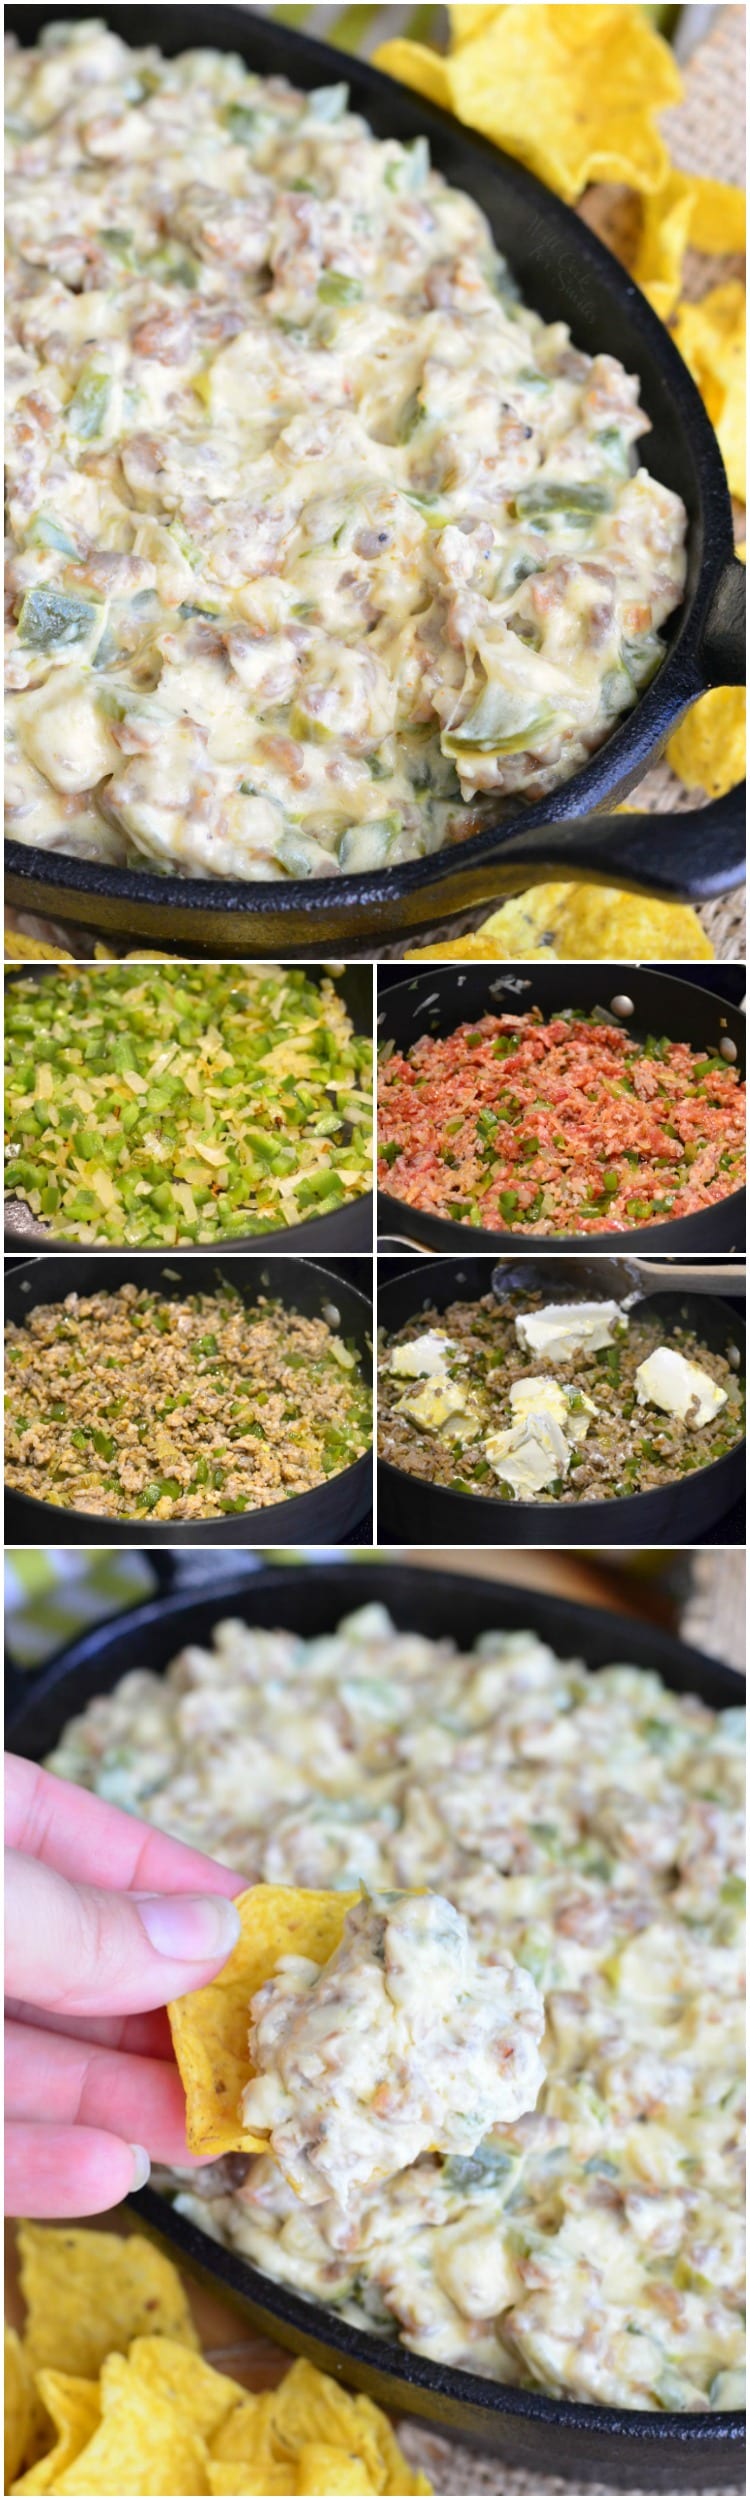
717	1276
700	854
722	650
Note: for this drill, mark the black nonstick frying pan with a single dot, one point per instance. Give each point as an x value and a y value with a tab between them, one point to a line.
413	1511
545	2435
438	1000
346	1228
565	274
326	1515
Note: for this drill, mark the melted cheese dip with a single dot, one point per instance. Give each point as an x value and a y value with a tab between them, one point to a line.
317	533
404	2042
590	1825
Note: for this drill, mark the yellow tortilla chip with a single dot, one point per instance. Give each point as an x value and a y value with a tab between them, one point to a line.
328	2470
583	924
573	92
711	336
19	2392
415	65
27	2427
246	2436
203	2396
686	209
243	2478
210	2028
400	2476
74	2408
465	22
309	2407
141	2445
663	241
708	749
246	2452
719	219
88	2293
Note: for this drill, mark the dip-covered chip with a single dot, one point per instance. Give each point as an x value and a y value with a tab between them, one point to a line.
210	2027
407	2041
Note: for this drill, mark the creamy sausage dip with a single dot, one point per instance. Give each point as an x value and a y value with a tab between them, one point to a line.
590	1825
319	536
406	2041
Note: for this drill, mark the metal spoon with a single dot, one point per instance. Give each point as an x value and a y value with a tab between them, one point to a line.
617	1278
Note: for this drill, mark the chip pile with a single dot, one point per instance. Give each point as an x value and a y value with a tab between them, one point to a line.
107	2391
563	924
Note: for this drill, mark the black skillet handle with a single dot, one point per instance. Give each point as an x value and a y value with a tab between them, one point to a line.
722	651
700	854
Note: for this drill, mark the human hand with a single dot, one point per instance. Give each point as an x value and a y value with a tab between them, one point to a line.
106	1919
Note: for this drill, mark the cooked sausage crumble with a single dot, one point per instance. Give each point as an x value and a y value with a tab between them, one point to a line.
134	1405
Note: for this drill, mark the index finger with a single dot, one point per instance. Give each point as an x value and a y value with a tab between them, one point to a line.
81	1837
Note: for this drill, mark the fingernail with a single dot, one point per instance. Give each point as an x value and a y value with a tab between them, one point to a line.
190	1927
141	2168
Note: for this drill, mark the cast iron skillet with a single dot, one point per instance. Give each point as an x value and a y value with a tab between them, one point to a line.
411	1510
565	274
438	1000
641	2450
327	1514
346	1228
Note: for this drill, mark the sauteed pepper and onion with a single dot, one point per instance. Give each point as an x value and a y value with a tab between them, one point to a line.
184	1103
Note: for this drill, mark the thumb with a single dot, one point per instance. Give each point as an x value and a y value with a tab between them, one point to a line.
81	1951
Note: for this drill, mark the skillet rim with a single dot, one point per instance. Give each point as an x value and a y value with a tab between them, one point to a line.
637	739
635	2428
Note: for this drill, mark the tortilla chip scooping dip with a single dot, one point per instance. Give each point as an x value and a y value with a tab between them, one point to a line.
210	2028
404	2041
